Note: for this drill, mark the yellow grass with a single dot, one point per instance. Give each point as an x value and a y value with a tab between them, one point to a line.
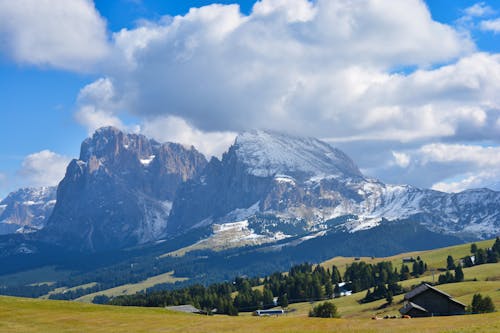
63	289
28	315
129	289
435	259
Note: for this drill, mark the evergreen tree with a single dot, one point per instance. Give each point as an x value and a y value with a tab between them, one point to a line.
492	256
450	263
481	257
283	301
267	298
482	305
329	289
473	248
459	274
389	297
496	246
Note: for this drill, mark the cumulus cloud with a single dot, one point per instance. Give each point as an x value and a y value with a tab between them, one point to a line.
287	64
470	180
451	167
491	25
57	33
479	9
379	79
44	168
401	159
175	129
97	104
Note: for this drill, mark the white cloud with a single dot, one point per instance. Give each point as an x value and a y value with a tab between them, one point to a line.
97	104
491	25
401	159
377	74
483	179
308	67
174	129
485	157
479	9
451	167
44	168
57	33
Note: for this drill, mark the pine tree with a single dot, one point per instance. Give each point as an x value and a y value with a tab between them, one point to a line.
283	301
450	263
459	274
389	297
473	248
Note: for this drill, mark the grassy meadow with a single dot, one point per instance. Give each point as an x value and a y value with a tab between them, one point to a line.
36	315
31	315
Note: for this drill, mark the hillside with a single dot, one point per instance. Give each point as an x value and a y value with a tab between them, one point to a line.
28	315
435	258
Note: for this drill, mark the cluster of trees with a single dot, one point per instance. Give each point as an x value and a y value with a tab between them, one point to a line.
381	291
324	310
216	296
482	256
481	304
419	267
34	291
303	282
449	277
382	277
478	257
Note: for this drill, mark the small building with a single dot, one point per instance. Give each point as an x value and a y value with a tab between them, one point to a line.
342	290
408	259
427	301
269	312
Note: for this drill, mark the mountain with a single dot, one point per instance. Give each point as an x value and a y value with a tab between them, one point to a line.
26	210
271	186
120	191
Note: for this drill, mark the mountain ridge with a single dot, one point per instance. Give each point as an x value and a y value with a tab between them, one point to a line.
126	189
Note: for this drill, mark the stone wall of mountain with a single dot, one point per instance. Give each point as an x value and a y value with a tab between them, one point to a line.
126	189
289	179
120	191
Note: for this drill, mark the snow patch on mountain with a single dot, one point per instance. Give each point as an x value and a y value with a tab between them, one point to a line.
147	161
267	153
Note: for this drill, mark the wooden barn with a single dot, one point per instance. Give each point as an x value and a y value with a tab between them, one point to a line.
427	301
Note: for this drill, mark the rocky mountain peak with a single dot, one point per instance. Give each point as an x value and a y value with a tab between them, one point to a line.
120	191
110	143
26	209
268	153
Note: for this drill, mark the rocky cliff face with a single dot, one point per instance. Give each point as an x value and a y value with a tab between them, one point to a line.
295	186
26	210
119	192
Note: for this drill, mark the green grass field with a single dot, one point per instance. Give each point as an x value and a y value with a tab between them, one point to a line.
435	259
31	315
129	289
34	315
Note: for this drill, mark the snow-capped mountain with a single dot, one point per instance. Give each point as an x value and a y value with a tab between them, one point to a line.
126	190
298	186
26	210
120	191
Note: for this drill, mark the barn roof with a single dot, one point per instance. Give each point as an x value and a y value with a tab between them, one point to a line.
409	306
424	287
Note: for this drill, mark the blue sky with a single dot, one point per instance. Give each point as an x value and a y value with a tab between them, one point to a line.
282	66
